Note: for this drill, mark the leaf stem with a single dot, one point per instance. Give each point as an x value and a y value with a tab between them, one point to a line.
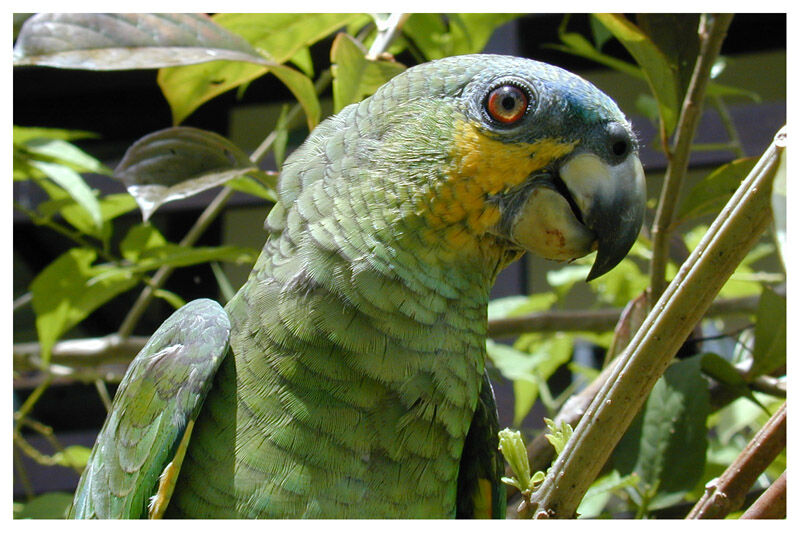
713	29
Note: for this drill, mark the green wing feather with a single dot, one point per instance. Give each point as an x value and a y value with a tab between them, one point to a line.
481	494
162	392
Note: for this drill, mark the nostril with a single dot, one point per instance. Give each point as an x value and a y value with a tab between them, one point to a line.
620	148
619	140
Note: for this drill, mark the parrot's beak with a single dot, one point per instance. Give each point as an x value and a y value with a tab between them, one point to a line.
585	205
611	200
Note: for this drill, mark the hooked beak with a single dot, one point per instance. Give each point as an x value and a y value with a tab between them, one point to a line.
586	205
611	200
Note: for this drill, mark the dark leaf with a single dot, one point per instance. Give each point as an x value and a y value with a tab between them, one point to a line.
769	352
120	41
710	195
176	163
666	443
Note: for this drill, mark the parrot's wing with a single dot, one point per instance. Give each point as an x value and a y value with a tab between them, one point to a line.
136	459
481	494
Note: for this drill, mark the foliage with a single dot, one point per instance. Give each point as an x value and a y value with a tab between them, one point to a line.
680	439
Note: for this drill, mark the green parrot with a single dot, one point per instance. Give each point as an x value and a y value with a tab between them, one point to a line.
346	378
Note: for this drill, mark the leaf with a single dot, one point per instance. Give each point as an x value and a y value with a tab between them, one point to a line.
73	456
51	505
140	238
526	369
464	33
769	351
675	35
147	248
281	35
63	153
247	184
75	186
656	67
69	289
120	41
725	373
176	163
779	207
710	195
355	76
23	134
666	443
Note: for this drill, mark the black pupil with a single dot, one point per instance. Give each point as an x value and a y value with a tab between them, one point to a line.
509	102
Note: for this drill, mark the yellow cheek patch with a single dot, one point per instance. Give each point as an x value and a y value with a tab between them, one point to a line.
479	167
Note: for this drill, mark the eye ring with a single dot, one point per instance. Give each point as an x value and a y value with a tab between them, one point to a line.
507	104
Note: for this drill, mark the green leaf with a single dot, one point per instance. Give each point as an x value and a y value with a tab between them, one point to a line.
63	153
147	248
139	239
779	207
23	134
710	195
526	369
75	186
51	505
656	67
675	35
73	456
438	36
255	187
170	297
175	255
281	36
595	499
725	373
666	443
354	76
176	163
120	41
69	289
769	352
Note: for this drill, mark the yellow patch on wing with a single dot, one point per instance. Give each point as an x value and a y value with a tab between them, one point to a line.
168	478
482	500
480	167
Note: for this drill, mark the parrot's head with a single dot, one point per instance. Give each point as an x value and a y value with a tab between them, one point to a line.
538	159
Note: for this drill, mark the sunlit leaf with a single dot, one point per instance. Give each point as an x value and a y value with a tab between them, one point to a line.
779	206
176	163
675	35
73	456
355	76
438	36
23	134
75	186
655	65
119	41
69	289
280	35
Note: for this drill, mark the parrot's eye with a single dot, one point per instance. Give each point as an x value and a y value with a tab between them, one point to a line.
507	104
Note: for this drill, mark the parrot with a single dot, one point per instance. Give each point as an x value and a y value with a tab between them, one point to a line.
347	378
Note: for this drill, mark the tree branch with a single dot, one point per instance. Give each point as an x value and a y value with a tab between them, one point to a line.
598	320
738	227
725	494
711	36
772	503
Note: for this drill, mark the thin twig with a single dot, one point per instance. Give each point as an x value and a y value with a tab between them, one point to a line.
713	29
725	494
771	504
738	227
598	320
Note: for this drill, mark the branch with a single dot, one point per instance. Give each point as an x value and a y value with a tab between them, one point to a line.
711	37
771	504
738	227
726	494
598	320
